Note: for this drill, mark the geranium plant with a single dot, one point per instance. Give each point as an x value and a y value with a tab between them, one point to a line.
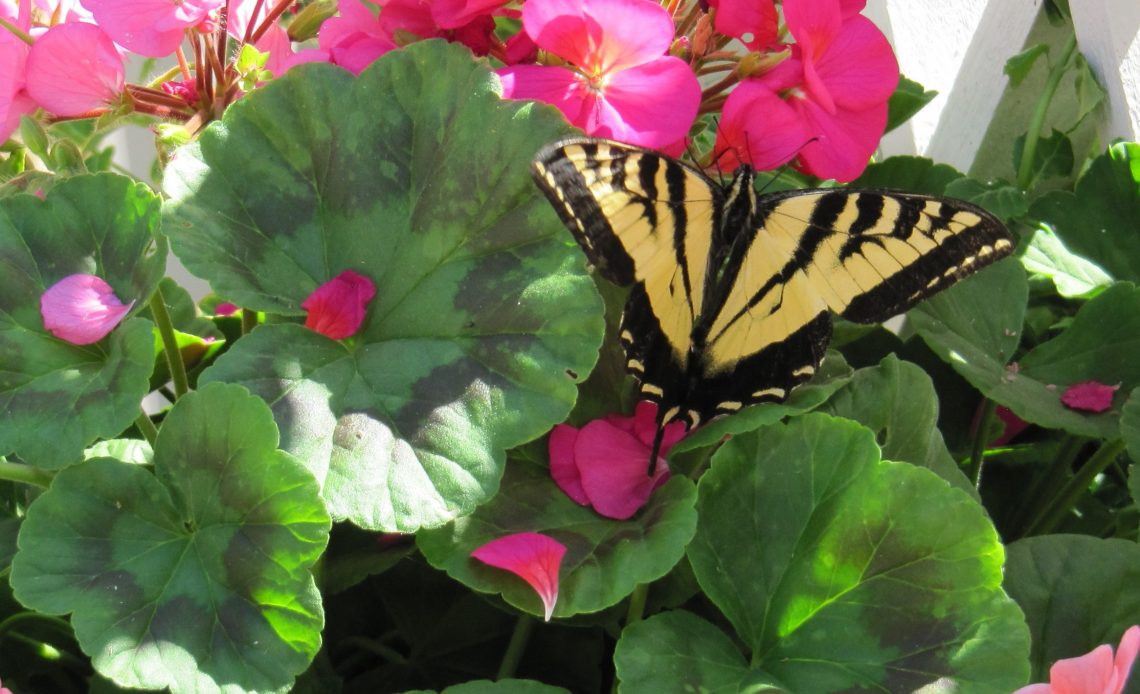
396	447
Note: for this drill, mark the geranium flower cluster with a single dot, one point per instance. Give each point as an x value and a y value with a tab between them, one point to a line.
802	81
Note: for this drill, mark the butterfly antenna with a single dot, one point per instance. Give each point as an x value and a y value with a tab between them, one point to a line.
657	439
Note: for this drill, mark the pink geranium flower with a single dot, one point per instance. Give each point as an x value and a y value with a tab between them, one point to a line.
838	80
337	307
1090	396
153	28
81	309
1096	672
619	83
73	69
603	464
14	99
533	557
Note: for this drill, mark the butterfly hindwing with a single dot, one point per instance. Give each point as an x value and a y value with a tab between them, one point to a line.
731	292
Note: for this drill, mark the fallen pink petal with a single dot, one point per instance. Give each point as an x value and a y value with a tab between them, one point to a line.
81	309
1096	672
337	308
1089	396
533	557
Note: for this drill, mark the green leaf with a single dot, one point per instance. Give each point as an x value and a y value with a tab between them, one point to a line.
133	451
913	174
1099	220
1004	200
908	99
417	175
896	400
1130	427
679	652
1073	276
848	577
1053	155
1075	591
184	314
9	528
505	686
195	577
1019	65
1090	94
58	397
605	559
1098	345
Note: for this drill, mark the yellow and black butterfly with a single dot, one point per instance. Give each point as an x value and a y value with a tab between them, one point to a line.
732	291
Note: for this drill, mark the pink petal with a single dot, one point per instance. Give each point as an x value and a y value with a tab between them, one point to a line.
600	36
152	28
645	427
241	14
851	7
521	48
556	86
858	69
413	16
1090	673
563	467
759	128
4	690
813	23
652	105
337	307
1013	425
276	43
533	557
844	141
14	101
612	464
1035	689
1125	657
74	68
754	22
1090	396
81	309
450	14
225	309
475	34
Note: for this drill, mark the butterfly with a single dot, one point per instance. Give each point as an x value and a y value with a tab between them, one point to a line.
732	291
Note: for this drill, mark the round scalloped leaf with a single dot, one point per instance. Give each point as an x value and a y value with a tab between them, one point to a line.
605	559
416	175
849	575
58	397
1077	592
196	576
679	652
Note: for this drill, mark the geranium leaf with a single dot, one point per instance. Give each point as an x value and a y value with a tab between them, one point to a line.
1052	157
1072	275
1072	590
1099	220
416	175
506	686
908	99
196	576
679	652
914	174
1004	200
1019	65
1130	424
897	401
839	537
58	397
604	561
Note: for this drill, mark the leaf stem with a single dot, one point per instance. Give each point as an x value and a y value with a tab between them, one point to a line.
390	655
515	647
1046	484
9	623
169	343
637	604
1037	121
1076	488
18	472
981	438
147	428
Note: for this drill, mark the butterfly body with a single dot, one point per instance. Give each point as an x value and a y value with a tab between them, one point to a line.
732	292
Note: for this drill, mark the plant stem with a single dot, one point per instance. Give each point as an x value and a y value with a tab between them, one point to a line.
248	320
981	438
1076	488
1037	121
1047	484
516	647
8	624
390	655
17	32
637	604
169	343
147	428
18	472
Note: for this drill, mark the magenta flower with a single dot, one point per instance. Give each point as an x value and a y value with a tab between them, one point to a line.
1090	396
73	69
754	22
1096	672
838	80
619	83
452	14
14	99
152	28
603	464
337	307
81	309
533	557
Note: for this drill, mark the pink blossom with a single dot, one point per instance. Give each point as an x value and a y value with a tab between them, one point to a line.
619	83
452	14
1096	672
1090	396
1012	426
73	69
225	309
81	309
14	99
533	557
754	22
337	307
603	464
470	25
354	38
153	28
838	80
187	90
